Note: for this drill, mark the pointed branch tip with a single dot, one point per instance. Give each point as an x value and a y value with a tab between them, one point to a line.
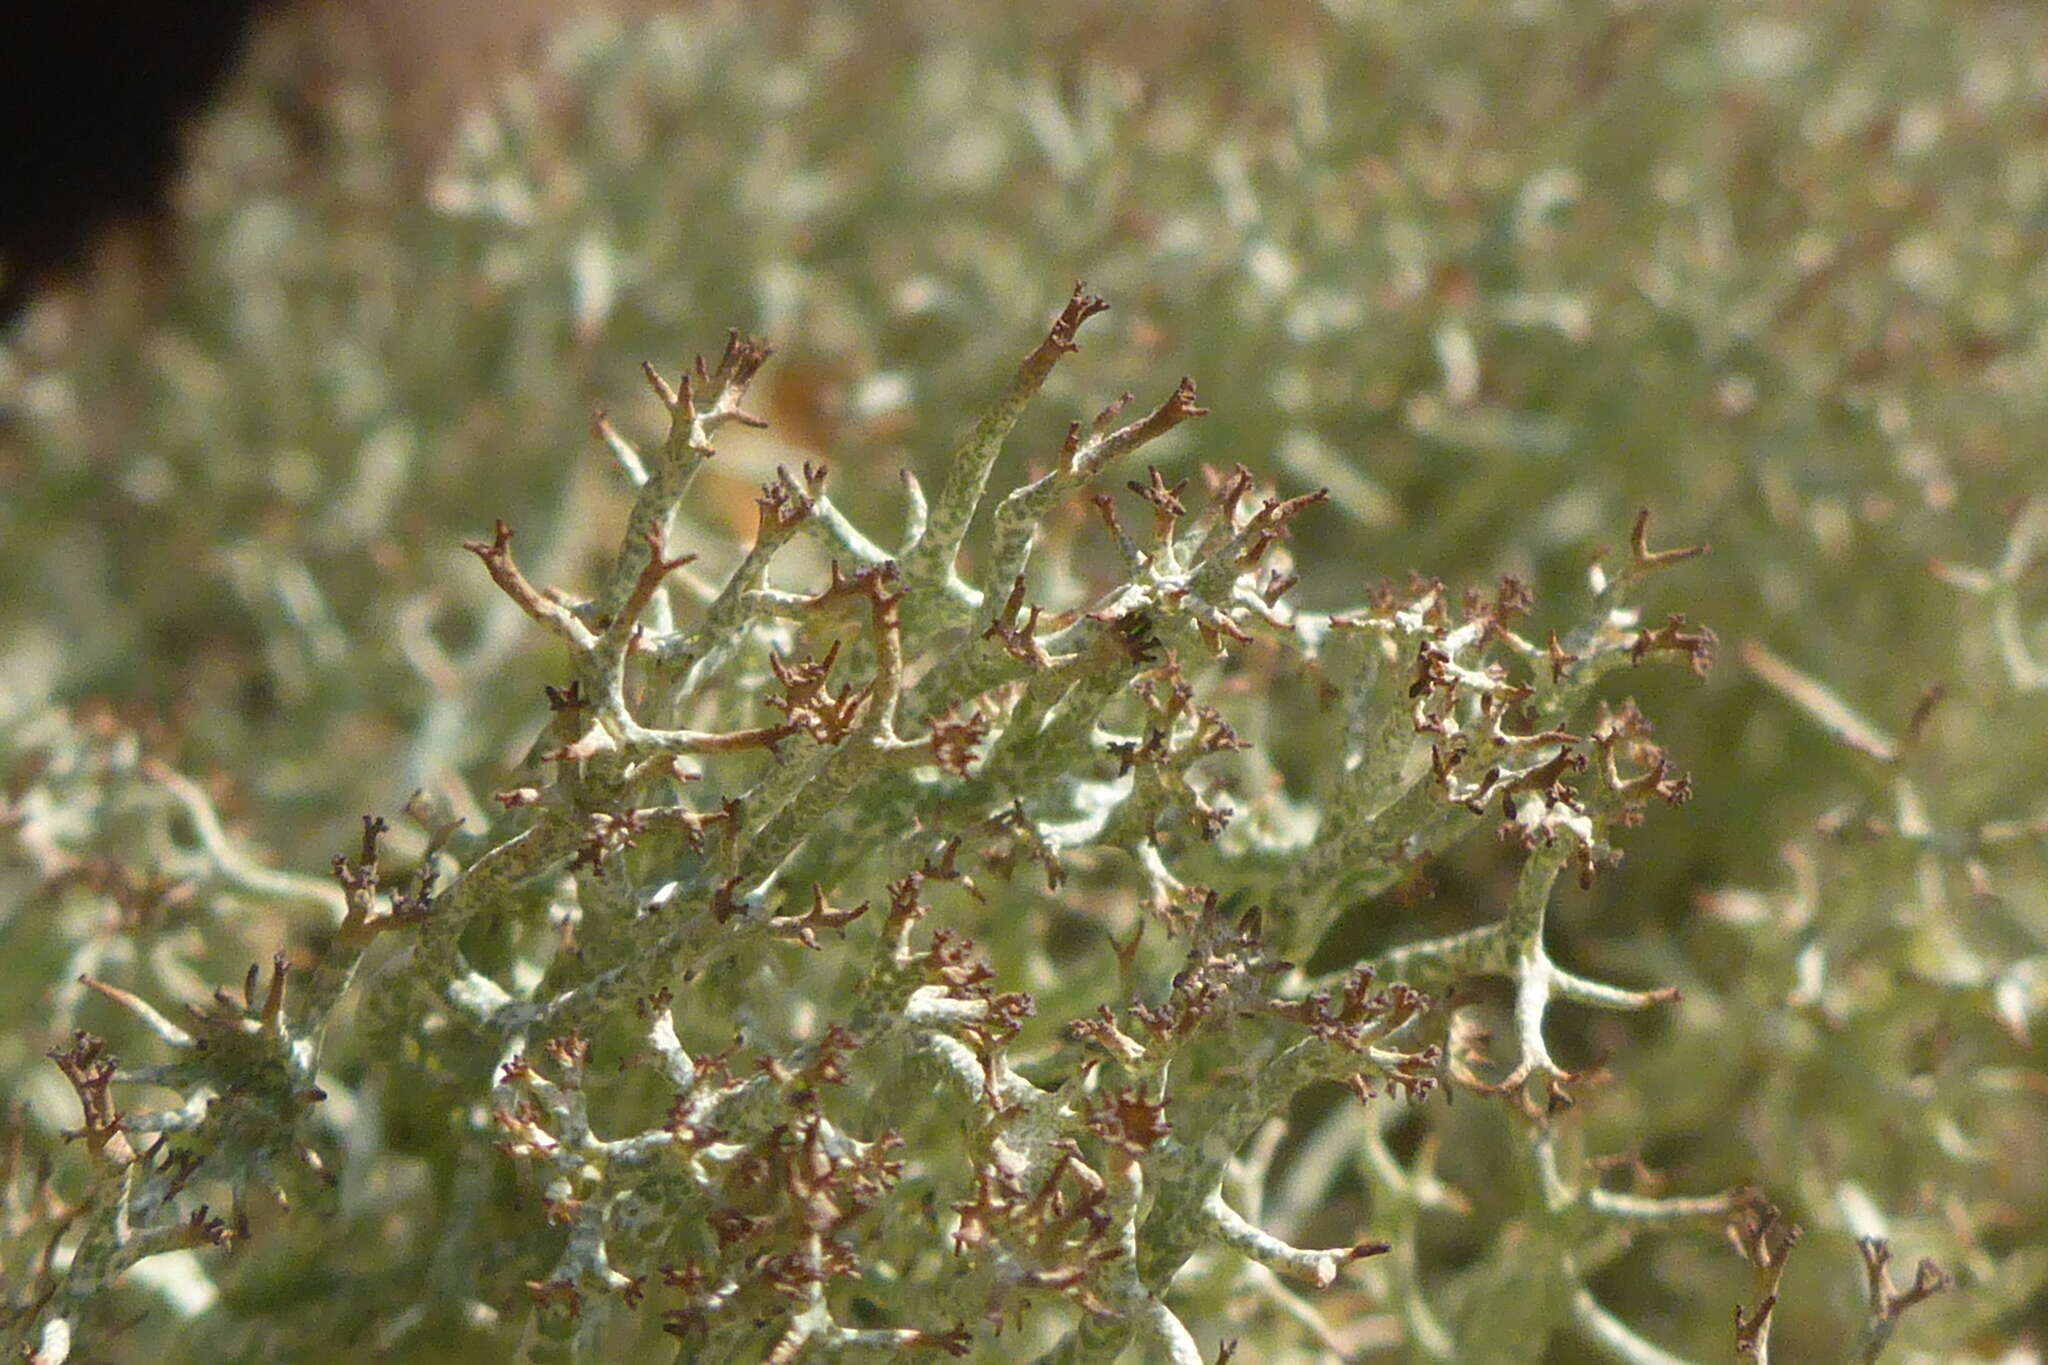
1642	557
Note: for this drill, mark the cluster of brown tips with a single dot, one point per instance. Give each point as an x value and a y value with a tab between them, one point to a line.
91	1070
1356	1017
1018	634
1059	1228
1760	1234
1179	732
1488	722
361	881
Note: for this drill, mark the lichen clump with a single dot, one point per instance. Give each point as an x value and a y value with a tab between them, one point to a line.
738	1034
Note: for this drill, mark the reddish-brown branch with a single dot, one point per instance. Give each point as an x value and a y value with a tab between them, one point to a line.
497	558
647	584
1642	558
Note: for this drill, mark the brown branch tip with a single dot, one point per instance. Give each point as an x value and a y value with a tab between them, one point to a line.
1642	558
1081	307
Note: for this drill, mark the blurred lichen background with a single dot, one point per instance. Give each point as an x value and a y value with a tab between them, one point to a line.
1495	275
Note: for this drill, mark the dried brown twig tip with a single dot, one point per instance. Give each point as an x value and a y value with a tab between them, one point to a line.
874	582
497	560
720	389
1128	1121
90	1069
786	504
810	704
728	383
1134	633
1182	404
1888	1303
670	399
273	999
803	681
360	881
1642	558
1269	523
1765	1240
1496	615
1179	406
821	915
374	828
1059	340
201	1229
956	1341
499	546
1561	659
742	360
1696	645
1226	489
1104	420
1020	640
953	742
1080	307
1167	507
1277	585
1106	505
651	576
